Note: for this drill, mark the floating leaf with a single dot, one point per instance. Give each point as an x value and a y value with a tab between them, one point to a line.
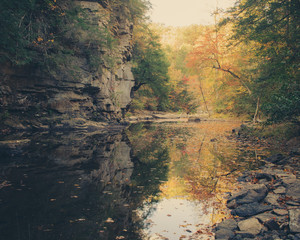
109	220
120	237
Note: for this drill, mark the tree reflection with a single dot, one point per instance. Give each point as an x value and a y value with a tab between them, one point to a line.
188	161
103	186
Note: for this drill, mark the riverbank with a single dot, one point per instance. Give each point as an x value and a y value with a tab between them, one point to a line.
157	116
268	204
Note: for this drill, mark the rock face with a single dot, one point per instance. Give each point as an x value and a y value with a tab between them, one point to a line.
102	94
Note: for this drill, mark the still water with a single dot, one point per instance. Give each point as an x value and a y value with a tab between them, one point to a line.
149	181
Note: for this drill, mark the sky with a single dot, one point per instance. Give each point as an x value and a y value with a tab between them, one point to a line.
186	12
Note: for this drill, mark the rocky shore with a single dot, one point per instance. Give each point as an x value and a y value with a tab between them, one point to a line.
268	205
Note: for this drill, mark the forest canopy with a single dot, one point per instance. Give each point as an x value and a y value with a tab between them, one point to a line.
246	64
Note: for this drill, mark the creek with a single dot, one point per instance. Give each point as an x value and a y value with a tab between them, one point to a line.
148	181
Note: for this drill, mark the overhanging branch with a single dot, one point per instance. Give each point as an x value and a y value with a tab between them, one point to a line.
234	75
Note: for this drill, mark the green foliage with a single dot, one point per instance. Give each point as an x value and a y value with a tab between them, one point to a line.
138	9
151	67
53	35
20	23
182	100
272	27
134	10
49	34
159	85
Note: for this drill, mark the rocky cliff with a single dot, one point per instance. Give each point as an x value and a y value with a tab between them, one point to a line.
30	97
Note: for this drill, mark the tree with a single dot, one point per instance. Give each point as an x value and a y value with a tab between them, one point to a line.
150	67
272	27
49	33
213	60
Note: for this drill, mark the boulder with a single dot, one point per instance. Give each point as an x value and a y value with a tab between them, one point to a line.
293	190
280	212
294	223
243	236
229	224
250	225
280	190
264	217
254	193
272	199
232	204
224	234
272	224
251	209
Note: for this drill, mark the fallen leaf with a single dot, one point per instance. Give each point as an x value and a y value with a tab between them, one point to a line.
109	220
80	219
120	237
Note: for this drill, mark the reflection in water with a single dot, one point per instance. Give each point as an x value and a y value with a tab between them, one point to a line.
160	181
202	164
67	187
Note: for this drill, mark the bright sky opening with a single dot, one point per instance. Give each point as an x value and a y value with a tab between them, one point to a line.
186	12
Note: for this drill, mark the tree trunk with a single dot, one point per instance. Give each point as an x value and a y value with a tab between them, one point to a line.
256	111
203	97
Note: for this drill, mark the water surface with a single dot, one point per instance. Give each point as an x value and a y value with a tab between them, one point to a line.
150	181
